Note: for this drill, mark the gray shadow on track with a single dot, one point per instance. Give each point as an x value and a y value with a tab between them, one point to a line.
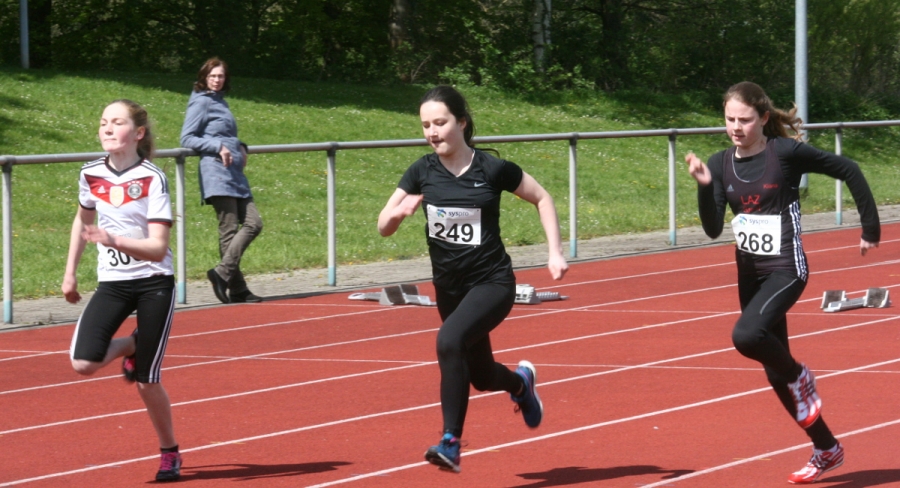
248	472
863	479
577	474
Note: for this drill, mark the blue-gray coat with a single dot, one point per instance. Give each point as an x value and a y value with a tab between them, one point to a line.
208	125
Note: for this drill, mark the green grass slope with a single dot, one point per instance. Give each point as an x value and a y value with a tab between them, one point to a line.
622	182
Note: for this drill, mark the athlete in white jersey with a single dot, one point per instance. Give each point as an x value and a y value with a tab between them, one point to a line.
128	197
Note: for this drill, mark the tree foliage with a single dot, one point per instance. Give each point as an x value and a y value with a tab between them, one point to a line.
658	45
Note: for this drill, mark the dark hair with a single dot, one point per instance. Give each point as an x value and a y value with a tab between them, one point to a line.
457	106
211	64
140	118
753	95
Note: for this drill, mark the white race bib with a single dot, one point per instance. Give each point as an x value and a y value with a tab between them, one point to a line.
456	225
116	259
757	234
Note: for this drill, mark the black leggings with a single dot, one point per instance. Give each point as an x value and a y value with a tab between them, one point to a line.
761	334
464	348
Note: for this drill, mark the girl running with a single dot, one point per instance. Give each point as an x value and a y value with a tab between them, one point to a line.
130	196
758	177
473	277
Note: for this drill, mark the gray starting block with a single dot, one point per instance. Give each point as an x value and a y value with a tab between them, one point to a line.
396	295
836	301
526	295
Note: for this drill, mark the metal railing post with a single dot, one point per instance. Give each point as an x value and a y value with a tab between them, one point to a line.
332	220
573	197
181	254
672	208
7	241
838	184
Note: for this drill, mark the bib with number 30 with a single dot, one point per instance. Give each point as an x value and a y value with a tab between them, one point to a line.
456	225
758	234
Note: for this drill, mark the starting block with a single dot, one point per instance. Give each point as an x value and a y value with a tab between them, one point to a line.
526	295
396	295
836	301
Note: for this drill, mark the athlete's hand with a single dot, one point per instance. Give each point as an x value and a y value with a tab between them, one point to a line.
698	169
865	245
96	235
558	266
70	289
408	205
226	156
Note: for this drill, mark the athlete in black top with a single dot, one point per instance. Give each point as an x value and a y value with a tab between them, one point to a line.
759	178
460	188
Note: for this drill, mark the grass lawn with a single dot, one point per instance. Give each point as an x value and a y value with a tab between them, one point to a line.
622	182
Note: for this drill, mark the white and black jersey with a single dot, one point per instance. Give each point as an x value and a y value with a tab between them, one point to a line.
762	192
126	203
463	218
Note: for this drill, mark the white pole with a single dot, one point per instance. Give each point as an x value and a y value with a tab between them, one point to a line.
800	73
23	30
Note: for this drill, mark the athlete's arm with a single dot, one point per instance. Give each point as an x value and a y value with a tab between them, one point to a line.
531	191
83	217
398	207
153	248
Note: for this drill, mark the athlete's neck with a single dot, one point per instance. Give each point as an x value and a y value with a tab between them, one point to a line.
459	162
756	148
120	161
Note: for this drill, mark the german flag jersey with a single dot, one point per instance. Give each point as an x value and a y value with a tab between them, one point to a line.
126	203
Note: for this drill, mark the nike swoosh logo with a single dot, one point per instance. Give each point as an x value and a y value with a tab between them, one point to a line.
480	184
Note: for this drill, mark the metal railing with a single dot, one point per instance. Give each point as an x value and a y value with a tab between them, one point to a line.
331	148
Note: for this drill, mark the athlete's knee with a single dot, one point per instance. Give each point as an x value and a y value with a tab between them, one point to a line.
745	338
85	367
448	347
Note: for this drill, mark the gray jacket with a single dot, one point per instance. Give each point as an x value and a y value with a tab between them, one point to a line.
209	124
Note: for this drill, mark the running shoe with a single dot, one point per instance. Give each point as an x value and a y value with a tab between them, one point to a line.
529	403
445	455
820	463
169	467
128	363
807	401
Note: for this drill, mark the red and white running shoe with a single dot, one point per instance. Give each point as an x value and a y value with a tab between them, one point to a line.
807	401
820	463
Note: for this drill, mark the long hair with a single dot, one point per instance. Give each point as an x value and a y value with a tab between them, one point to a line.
457	106
146	146
212	63
753	95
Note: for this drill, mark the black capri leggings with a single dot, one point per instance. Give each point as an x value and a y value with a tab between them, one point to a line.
464	348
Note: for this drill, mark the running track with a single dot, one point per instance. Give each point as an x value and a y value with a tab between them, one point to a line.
640	384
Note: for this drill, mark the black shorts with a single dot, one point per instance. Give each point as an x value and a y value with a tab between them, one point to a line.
154	300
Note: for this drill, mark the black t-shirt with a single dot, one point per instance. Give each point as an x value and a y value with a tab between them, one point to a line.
463	218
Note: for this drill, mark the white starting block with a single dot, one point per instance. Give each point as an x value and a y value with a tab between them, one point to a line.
836	301
396	295
526	295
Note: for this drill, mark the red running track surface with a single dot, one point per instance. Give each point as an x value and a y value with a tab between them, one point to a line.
640	384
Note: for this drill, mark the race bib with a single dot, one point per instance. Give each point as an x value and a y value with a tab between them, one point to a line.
116	259
758	234
456	225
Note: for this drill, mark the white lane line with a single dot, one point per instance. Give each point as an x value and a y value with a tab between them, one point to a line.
604	424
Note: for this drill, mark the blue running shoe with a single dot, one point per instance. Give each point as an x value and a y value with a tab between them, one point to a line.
445	455
529	403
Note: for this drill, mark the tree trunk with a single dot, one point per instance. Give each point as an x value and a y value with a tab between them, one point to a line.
540	32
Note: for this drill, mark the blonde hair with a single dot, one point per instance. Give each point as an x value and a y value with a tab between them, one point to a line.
753	95
146	145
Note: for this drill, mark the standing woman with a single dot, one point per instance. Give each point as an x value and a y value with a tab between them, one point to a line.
210	129
472	274
758	178
131	198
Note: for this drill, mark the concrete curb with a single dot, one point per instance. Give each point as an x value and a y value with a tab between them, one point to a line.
56	311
